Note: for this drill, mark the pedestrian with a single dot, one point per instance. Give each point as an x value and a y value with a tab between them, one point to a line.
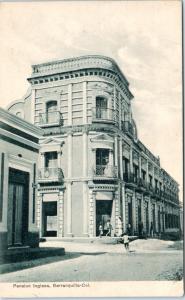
126	241
109	228
100	230
151	229
120	227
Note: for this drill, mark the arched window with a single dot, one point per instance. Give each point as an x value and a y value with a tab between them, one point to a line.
51	111
101	108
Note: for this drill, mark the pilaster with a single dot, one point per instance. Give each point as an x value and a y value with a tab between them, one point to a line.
85	167
32	110
84	102
69	209
69	155
92	213
60	213
124	208
39	218
85	209
131	160
70	104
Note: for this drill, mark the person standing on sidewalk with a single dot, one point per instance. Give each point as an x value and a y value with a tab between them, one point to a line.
109	227
100	230
126	241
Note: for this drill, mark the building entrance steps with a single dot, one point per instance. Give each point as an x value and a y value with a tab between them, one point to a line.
88	240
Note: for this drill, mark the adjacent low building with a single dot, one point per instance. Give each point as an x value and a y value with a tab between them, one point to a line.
19	153
92	166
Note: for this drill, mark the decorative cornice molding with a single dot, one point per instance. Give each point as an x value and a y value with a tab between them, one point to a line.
19	123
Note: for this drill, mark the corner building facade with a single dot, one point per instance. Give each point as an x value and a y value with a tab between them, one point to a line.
92	166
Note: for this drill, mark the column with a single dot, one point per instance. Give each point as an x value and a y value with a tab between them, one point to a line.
142	210
92	215
60	214
70	104
120	111
140	163
39	217
134	212
156	217
85	209
69	209
124	208
116	151
147	173
69	155
85	167
131	160
149	212
85	102
121	158
32	120
117	210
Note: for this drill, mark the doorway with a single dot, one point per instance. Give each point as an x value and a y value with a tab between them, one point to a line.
18	200
50	218
103	215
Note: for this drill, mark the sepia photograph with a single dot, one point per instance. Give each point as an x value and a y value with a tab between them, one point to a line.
91	149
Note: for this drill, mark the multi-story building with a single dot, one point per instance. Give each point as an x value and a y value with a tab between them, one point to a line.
93	168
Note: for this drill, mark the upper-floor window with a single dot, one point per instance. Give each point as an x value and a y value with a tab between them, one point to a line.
143	174
51	159
101	108
51	111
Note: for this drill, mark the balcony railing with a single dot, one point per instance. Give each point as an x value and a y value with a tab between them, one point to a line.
50	174
105	171
50	118
127	128
130	178
103	114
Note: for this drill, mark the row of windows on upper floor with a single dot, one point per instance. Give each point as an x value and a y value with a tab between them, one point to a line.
105	166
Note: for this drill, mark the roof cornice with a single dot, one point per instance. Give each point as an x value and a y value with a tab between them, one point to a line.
7	117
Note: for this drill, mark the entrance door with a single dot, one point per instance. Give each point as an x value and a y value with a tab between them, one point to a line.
103	214
50	218
18	191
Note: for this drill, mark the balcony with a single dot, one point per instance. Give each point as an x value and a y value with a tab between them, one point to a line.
53	118
50	175
142	185
130	179
127	128
105	115
105	172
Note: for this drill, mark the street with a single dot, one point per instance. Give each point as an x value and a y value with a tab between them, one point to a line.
147	260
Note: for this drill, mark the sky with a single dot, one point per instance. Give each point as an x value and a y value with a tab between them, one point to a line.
143	37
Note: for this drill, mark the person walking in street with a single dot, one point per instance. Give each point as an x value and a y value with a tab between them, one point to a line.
109	228
100	230
126	241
